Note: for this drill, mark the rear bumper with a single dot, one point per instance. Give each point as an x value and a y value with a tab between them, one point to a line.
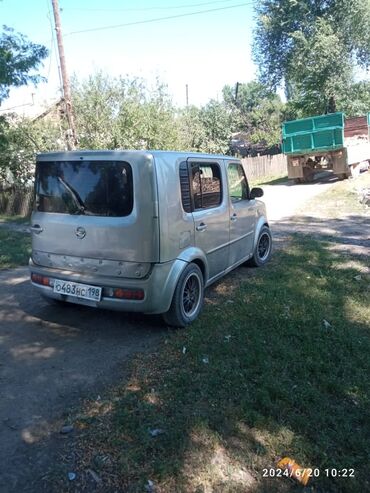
158	287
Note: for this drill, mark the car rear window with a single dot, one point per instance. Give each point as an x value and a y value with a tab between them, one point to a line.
97	188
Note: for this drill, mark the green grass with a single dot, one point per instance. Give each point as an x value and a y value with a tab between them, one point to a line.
14	219
341	199
277	382
15	248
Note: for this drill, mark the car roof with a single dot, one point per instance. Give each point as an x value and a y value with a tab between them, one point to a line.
122	153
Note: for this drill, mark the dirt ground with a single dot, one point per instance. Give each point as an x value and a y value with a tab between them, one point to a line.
52	357
284	199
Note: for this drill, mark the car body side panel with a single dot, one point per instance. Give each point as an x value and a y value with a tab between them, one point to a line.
261	220
176	227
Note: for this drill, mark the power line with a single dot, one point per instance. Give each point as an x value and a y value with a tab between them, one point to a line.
18	106
145	9
52	38
116	26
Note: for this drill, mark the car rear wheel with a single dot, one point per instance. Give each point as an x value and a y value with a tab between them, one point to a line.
187	301
262	250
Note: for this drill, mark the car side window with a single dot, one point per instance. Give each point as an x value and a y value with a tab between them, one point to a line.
238	185
206	185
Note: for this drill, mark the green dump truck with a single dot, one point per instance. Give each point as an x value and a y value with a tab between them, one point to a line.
330	142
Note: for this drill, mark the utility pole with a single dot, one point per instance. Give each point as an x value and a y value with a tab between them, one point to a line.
187	94
236	92
71	137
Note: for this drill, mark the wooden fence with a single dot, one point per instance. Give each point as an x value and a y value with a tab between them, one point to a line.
265	166
16	202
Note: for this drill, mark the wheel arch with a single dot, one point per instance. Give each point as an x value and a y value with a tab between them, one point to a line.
198	257
262	221
187	299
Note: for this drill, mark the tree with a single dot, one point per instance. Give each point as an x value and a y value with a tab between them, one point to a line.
322	73
123	112
312	47
20	140
18	57
256	111
216	120
191	129
357	102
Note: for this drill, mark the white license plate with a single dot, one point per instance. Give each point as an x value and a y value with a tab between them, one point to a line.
84	291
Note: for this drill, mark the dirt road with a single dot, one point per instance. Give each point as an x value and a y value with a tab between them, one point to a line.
283	199
52	356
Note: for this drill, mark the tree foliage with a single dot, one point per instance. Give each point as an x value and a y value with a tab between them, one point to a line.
216	120
20	140
123	113
127	113
357	102
312	47
18	58
257	111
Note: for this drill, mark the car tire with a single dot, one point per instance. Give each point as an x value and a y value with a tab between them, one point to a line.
342	176
187	301
263	248
308	174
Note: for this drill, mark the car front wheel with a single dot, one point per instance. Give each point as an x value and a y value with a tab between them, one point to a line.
262	250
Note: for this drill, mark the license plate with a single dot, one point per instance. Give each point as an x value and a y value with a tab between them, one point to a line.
84	291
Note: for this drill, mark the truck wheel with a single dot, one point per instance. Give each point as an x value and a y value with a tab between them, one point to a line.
308	174
187	301
262	251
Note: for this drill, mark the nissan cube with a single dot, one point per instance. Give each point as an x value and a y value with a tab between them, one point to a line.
143	231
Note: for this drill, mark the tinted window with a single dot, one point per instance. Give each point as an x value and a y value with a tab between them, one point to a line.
98	188
238	186
206	185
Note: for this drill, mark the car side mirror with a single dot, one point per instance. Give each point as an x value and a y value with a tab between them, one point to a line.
256	192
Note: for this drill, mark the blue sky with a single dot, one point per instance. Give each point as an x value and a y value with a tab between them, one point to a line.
205	51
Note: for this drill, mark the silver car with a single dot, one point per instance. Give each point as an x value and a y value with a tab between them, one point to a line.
142	231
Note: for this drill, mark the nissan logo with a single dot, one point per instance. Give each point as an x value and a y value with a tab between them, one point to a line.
80	232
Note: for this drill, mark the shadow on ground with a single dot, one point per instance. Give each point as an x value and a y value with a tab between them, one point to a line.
275	367
348	234
51	357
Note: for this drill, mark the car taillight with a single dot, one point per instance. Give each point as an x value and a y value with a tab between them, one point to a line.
129	294
38	279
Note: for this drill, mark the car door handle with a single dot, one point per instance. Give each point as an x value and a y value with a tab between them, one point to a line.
36	229
234	217
201	227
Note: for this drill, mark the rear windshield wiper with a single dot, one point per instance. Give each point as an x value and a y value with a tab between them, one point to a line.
81	208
